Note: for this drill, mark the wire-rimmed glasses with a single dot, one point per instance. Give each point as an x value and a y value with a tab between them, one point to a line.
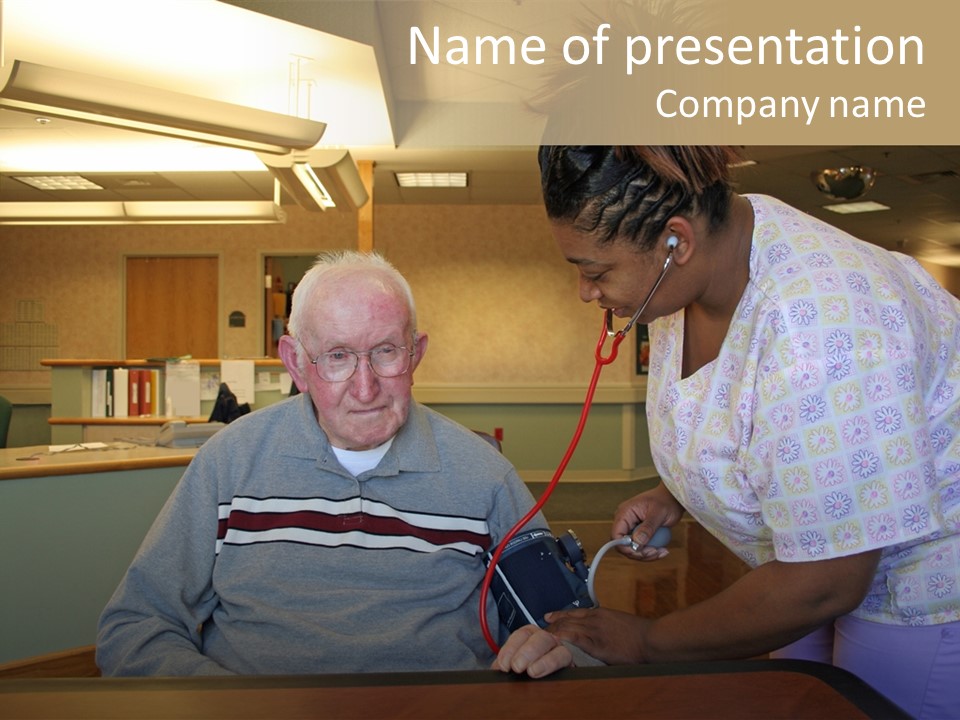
387	361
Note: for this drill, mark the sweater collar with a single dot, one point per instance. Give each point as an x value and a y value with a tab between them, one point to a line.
414	447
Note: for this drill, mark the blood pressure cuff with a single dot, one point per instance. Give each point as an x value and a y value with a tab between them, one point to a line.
537	574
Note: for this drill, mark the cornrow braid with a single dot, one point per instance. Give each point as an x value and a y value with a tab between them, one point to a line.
630	192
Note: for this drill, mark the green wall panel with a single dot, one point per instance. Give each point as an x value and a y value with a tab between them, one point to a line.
66	541
535	437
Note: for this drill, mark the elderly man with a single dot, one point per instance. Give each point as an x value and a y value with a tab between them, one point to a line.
341	530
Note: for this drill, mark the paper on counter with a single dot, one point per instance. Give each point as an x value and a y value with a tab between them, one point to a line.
74	447
182	387
239	376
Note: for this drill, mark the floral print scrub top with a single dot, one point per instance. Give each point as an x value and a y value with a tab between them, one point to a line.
829	424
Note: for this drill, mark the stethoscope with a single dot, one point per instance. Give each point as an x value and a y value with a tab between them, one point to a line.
619	335
606	332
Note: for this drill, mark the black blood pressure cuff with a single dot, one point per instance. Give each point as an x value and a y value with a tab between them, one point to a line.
538	574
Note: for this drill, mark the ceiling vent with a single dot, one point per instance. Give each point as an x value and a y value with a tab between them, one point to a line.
931	177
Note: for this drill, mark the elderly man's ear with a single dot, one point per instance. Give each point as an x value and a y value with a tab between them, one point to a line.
288	354
420	346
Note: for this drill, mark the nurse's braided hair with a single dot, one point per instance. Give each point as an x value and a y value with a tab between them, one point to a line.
630	192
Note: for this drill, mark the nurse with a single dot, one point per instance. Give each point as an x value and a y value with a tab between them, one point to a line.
803	404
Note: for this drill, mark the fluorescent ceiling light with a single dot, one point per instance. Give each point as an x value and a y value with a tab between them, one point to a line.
112	151
319	179
308	180
856	207
221	51
431	179
189	212
55	92
58	182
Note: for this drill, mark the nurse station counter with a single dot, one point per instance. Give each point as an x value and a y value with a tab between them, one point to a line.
71	519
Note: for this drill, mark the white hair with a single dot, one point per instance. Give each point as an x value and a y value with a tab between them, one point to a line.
335	265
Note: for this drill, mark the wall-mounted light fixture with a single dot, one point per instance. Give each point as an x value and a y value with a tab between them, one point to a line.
56	92
153	212
319	179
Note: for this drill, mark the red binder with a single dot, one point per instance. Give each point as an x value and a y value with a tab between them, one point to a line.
133	393
146	392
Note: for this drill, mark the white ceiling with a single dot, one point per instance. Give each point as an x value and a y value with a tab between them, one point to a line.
477	120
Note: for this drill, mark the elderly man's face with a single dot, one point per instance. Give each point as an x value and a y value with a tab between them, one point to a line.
359	314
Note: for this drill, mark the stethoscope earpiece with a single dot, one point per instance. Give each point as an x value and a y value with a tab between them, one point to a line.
672	242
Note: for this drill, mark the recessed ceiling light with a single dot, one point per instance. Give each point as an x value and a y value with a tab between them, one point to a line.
58	182
856	207
431	179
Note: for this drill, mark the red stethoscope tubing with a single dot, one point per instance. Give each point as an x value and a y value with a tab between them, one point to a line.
591	389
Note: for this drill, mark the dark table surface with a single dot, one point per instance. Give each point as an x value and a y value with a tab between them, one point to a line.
744	689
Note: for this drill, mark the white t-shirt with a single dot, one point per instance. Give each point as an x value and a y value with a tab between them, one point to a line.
359	461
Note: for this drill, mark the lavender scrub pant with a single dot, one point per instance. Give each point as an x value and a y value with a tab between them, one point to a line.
918	668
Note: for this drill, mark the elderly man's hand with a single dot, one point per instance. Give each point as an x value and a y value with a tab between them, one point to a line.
532	651
609	636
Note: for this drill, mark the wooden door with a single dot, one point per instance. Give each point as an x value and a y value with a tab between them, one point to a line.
172	307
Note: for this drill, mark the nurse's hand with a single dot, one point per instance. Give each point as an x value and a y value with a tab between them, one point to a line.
611	636
533	651
639	518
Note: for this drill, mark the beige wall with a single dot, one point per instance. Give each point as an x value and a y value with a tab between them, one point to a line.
496	298
947	275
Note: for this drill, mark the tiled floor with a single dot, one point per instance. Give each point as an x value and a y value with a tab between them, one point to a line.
697	567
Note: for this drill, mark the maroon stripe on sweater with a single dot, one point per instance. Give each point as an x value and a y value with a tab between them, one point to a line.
325	522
